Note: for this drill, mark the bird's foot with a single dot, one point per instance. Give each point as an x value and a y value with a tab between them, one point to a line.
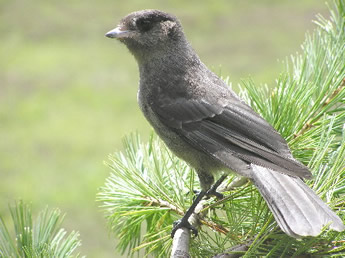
213	192
209	194
183	223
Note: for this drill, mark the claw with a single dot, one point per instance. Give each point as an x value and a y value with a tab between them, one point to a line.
195	193
212	192
182	223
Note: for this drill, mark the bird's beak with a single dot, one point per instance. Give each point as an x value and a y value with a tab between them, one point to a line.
117	33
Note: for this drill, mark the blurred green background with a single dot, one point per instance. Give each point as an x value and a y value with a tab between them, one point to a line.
68	94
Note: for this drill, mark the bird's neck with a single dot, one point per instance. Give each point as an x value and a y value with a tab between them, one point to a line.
176	59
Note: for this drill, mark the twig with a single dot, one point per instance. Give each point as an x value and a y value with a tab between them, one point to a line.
162	203
335	93
181	241
305	128
214	226
235	251
311	122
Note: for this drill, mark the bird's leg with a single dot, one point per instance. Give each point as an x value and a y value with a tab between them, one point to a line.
184	223
213	189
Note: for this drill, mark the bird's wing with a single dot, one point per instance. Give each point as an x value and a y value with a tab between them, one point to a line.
225	127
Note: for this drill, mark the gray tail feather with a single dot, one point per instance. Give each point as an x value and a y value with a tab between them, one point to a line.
297	209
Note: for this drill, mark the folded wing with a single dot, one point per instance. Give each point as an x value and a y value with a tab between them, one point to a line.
230	131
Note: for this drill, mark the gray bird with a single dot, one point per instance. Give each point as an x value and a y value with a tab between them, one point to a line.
206	124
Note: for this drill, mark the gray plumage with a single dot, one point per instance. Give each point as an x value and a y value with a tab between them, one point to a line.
296	208
205	123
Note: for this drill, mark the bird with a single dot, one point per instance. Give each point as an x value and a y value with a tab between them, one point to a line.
205	123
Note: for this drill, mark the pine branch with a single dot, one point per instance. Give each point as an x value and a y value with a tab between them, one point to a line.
309	124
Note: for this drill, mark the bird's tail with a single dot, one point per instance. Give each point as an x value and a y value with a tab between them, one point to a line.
297	209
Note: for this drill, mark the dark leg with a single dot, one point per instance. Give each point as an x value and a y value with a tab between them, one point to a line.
184	223
213	189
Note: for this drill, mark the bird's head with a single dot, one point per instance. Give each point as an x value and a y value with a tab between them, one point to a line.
147	31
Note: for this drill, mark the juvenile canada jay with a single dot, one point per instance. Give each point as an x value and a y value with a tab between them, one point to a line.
206	124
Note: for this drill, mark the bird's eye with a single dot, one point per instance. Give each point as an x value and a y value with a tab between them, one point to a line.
144	24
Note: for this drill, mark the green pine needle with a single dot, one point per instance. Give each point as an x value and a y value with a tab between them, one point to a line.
40	238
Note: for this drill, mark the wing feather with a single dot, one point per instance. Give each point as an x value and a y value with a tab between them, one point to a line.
230	131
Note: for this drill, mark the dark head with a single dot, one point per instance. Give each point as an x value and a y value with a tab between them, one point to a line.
147	30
